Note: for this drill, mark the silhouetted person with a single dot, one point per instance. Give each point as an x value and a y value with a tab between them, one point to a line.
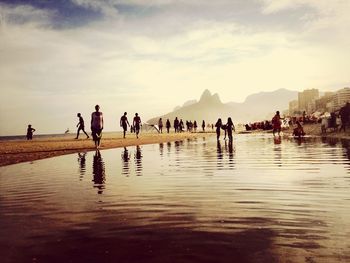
124	123
203	126
181	126
218	125
97	126
176	124
212	126
137	124
195	126
276	123
30	131
167	125
298	131
160	125
81	126
229	128
98	171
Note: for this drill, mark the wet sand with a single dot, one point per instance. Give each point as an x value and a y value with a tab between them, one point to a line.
17	151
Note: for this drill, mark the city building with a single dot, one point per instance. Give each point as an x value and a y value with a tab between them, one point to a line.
341	97
293	107
306	99
321	103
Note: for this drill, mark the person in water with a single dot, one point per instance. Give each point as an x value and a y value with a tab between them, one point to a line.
97	126
81	127
124	123
30	131
276	123
218	127
299	130
137	124
229	128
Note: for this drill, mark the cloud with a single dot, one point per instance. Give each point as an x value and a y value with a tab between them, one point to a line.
149	62
24	14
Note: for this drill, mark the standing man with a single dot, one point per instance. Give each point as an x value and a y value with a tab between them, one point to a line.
124	122
137	124
81	126
30	131
276	123
97	126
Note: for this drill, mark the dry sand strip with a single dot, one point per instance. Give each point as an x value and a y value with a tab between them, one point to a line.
12	152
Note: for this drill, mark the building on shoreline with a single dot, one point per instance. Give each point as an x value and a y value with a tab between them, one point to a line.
306	100
341	97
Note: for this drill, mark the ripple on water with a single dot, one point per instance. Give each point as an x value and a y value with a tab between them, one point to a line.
252	200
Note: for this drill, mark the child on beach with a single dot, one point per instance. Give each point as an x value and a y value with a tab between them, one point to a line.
30	131
299	130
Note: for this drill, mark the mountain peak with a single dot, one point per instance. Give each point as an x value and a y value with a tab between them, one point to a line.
205	95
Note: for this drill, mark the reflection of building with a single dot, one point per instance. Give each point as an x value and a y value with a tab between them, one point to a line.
324	103
306	100
341	97
293	107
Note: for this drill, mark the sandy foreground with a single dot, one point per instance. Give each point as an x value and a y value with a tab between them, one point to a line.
17	151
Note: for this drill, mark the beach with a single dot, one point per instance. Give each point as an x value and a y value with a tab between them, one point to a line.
17	151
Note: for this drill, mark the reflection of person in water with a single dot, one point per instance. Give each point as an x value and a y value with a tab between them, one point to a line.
98	171
161	148
219	150
125	158
82	163
138	161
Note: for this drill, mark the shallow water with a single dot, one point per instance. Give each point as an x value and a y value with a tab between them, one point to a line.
257	200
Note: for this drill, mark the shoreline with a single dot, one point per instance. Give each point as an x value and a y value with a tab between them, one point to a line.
18	151
311	130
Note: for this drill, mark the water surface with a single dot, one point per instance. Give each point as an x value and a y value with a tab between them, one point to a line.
256	200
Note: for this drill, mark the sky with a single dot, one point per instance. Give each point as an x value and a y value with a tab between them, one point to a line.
61	57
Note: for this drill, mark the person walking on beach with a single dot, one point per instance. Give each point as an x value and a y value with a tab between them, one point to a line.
203	126
181	126
195	126
176	124
124	123
30	131
97	126
160	125
276	123
167	125
218	125
137	124
81	126
230	127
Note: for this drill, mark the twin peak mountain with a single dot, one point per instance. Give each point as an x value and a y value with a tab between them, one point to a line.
256	107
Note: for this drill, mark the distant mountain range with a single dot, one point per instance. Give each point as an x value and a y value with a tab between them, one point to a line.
256	107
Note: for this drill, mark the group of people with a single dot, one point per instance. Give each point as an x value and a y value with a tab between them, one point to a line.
97	125
179	125
229	127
